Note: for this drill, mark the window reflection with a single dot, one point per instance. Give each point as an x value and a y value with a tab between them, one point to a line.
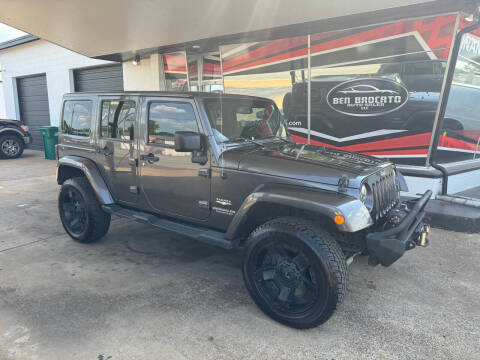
175	68
166	118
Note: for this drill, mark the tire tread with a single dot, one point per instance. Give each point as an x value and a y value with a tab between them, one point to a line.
99	219
327	247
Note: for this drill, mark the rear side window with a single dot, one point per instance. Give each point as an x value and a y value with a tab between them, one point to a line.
118	119
165	118
77	117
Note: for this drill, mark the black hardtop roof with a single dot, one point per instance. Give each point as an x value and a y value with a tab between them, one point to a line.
191	94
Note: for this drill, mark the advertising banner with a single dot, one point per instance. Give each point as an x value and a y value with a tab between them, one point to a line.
374	90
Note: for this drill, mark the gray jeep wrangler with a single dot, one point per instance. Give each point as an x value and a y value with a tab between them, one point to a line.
222	169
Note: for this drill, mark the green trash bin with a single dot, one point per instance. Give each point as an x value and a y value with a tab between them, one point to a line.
50	139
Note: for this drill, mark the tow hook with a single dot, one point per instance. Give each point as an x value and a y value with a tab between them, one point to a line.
421	238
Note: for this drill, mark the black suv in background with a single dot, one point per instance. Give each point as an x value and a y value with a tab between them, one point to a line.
223	169
14	136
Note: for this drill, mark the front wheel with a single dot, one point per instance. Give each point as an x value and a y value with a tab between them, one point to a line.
295	272
81	214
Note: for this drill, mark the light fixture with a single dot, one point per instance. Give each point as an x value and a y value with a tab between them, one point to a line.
196	47
473	16
136	60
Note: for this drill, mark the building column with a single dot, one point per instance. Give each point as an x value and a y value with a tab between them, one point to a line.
147	75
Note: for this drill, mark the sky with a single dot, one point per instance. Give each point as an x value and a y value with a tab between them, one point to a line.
9	33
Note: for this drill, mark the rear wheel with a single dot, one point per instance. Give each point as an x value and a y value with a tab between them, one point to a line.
11	146
295	272
82	217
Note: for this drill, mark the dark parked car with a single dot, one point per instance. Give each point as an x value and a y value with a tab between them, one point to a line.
222	169
14	136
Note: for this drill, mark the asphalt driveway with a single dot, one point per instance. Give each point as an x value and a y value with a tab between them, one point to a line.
142	293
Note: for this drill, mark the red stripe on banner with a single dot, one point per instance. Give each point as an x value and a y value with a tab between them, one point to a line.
267	50
401	142
433	32
398	152
174	63
406	141
301	140
211	69
436	31
453	143
286	56
179	69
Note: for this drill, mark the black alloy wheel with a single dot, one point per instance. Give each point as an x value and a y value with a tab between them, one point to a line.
295	272
74	211
284	278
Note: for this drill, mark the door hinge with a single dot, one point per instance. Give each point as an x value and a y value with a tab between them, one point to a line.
204	204
205	172
343	183
133	162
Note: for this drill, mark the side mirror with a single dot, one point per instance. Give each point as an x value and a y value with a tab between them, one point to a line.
187	141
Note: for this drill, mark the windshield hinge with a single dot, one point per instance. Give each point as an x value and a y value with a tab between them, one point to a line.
343	183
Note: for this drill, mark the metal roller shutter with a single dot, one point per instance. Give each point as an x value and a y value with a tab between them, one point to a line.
33	104
99	78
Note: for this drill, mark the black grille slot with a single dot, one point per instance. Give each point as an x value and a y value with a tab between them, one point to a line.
384	192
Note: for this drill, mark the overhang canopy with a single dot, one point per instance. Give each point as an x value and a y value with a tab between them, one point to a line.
116	29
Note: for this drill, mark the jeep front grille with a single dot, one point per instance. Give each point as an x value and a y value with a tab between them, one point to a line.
385	194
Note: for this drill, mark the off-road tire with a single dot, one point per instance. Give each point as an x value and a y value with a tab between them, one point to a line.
18	140
327	264
97	221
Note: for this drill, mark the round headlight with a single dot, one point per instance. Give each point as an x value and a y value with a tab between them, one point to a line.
366	197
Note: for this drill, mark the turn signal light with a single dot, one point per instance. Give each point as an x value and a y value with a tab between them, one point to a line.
24	128
339	219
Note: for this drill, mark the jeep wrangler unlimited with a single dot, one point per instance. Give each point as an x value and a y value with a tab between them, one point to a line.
222	169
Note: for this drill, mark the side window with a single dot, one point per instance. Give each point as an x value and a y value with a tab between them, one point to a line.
77	117
117	119
164	119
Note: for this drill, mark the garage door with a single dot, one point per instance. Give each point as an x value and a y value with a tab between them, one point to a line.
33	104
99	78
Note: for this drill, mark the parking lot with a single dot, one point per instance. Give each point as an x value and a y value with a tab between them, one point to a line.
142	293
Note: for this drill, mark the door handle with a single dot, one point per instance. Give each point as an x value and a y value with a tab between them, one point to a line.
150	158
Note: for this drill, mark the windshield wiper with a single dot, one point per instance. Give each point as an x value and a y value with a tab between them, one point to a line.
242	139
277	137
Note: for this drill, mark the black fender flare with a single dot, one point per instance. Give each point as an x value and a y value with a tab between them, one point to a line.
91	172
328	203
14	131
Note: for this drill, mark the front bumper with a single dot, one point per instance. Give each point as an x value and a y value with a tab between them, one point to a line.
389	245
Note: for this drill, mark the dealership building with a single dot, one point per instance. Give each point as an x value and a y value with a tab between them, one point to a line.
359	76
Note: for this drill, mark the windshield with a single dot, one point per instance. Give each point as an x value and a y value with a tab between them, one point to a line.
250	119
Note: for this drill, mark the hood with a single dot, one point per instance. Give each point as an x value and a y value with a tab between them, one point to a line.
312	163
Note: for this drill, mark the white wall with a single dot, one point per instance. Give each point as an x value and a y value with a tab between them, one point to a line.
39	57
146	75
2	98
